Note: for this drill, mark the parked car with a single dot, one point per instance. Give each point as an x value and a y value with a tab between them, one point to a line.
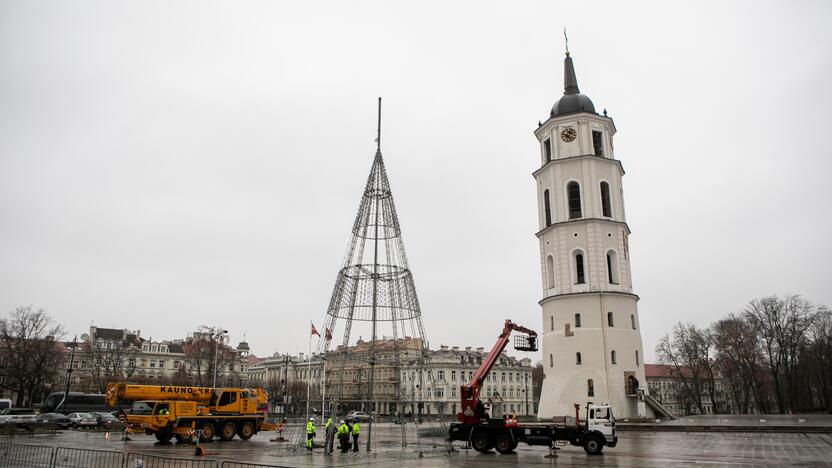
57	419
83	419
105	419
360	415
17	416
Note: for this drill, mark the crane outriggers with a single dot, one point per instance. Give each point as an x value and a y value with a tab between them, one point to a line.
178	411
483	433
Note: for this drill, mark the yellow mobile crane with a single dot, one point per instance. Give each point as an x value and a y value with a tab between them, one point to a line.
177	411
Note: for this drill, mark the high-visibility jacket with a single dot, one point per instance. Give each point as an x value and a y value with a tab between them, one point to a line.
328	423
355	429
343	429
310	427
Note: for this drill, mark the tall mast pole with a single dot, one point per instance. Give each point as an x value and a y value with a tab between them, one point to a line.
375	285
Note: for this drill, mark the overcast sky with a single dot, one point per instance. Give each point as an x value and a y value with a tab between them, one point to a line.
165	165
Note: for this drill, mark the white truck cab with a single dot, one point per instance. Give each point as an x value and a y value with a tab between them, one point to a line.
600	420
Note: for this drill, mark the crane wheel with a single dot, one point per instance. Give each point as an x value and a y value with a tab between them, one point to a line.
504	444
246	430
480	442
163	437
593	445
228	430
207	434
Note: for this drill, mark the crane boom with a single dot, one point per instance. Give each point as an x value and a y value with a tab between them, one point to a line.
470	392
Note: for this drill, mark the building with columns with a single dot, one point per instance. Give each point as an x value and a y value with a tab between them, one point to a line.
591	342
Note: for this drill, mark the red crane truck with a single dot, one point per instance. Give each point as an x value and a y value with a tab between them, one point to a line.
484	433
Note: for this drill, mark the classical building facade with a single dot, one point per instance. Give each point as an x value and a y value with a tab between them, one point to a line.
408	384
592	349
111	354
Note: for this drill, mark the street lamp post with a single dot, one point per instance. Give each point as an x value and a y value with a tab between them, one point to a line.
62	405
217	334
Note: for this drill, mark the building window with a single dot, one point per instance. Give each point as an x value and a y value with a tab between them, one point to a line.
578	359
597	142
633	321
566	330
551	361
440	375
637	361
610	320
612	357
552	322
547	149
606	208
547	206
573	193
590	388
453	376
579	268
612	267
577	320
550	271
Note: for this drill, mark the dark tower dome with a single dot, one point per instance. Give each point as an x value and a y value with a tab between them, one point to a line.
572	100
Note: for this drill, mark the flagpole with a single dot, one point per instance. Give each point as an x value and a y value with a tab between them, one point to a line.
309	374
323	390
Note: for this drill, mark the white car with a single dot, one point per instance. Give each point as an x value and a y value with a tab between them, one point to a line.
17	416
83	419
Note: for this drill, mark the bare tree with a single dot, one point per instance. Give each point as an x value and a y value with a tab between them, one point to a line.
781	325
203	351
739	360
819	352
687	350
110	361
31	352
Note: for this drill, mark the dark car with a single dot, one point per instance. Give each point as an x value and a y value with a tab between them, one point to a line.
105	419
57	419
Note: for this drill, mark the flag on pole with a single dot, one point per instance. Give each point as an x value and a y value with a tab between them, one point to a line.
314	330
327	334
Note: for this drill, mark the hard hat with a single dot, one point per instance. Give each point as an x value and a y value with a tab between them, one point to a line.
342	421
311	419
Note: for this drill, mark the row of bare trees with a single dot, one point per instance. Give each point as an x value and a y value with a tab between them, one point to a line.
774	356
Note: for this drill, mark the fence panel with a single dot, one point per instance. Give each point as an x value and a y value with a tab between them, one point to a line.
18	455
83	458
233	464
140	460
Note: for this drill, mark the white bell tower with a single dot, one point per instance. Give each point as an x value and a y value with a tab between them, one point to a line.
591	340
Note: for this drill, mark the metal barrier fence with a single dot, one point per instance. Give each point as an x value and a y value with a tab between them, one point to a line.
25	455
84	458
140	460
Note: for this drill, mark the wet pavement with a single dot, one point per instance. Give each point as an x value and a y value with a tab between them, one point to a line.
635	449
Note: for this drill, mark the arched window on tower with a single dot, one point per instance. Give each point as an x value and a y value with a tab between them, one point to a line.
547	206
610	320
612	267
577	320
606	208
552	322
612	357
633	321
637	361
551	361
550	271
590	388
573	193
547	149
579	267
578	359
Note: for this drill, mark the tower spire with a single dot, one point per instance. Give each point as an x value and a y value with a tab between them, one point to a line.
570	81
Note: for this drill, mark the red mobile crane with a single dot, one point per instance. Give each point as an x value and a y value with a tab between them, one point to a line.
469	413
484	433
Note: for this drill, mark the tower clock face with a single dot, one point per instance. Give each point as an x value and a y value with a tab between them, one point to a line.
568	134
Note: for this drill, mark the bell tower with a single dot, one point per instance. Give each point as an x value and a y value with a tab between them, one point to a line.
591	340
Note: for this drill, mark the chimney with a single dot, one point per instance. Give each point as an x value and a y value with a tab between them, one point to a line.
443	347
455	348
480	349
467	348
